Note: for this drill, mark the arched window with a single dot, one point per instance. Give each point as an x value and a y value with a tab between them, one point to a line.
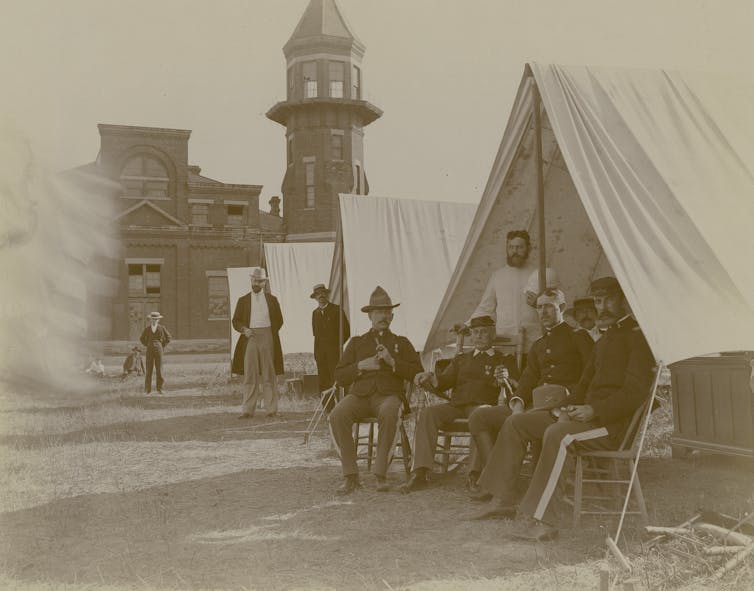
145	177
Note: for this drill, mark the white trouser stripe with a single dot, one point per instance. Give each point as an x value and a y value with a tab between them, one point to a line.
557	467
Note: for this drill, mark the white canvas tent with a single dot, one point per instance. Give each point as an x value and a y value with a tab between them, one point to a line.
294	268
648	175
407	246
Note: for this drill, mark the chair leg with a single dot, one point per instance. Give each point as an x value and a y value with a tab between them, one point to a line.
446	452
405	449
370	447
578	486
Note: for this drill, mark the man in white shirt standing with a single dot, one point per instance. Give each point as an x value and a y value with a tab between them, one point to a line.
511	293
258	355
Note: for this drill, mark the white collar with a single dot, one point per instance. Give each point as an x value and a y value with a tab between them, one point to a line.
490	352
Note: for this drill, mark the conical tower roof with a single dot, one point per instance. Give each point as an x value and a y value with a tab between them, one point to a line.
322	20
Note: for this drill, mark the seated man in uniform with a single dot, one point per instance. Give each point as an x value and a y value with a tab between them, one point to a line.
558	357
133	364
613	385
475	376
373	367
585	315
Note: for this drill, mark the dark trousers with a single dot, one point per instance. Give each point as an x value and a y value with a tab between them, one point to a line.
387	409
154	360
431	419
501	473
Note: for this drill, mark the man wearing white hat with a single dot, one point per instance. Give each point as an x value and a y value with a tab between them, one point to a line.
258	355
155	338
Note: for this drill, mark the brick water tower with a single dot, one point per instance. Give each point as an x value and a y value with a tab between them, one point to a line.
324	115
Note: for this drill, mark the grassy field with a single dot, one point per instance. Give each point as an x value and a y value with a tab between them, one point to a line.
111	489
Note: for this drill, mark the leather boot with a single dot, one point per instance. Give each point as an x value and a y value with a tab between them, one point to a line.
418	481
350	484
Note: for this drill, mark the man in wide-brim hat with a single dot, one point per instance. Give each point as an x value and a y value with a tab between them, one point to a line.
155	338
330	329
258	354
374	368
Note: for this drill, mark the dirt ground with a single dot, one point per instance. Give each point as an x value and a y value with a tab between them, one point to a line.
196	499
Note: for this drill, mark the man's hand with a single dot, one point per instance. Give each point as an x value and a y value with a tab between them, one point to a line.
384	355
369	364
247	333
501	373
531	298
582	413
425	378
460	328
517	407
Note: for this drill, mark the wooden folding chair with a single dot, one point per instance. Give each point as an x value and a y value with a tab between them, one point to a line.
366	442
607	471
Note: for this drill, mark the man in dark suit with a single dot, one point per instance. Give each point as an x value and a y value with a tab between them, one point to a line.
373	367
476	378
258	355
326	322
614	384
155	338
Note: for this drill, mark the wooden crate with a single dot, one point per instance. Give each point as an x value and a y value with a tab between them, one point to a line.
713	404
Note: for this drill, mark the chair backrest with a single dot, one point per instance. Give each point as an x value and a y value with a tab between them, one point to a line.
629	439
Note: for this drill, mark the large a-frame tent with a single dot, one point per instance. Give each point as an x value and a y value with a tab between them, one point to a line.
645	174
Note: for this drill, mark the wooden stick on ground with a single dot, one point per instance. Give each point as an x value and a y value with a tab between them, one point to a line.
613	547
717	550
725	535
733	562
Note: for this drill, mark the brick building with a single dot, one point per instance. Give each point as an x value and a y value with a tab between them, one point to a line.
324	116
179	232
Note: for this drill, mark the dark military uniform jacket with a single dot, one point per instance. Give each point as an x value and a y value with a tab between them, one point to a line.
326	331
472	378
557	357
618	378
386	380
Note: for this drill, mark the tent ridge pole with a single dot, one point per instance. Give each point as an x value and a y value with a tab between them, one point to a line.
536	105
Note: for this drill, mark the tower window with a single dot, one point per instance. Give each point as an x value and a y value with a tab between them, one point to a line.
309	185
356	82
337	74
290	151
358	179
337	146
145	177
310	79
290	82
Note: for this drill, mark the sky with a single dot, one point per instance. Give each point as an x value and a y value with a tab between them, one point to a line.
445	73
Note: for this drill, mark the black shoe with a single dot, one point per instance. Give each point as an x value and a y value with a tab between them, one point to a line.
350	485
471	482
496	511
480	497
382	484
537	531
418	481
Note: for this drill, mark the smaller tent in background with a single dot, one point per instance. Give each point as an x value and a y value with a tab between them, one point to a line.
294	268
407	246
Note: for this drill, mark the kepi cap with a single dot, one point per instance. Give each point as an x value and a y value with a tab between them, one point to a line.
605	286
